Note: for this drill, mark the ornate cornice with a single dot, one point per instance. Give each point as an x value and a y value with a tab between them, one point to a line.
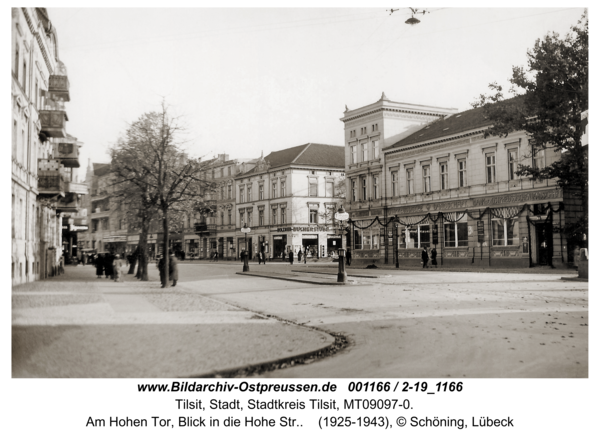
457	139
392	110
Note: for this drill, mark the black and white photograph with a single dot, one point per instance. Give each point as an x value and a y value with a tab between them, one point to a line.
253	205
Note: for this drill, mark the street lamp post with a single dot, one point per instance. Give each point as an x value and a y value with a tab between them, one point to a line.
396	224
341	216
245	230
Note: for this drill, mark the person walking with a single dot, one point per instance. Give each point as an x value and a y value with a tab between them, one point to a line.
424	257
117	264
99	262
434	257
161	270
173	271
108	271
348	257
291	257
299	255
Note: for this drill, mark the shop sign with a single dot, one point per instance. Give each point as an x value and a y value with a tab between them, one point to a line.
79	227
277	237
310	236
303	229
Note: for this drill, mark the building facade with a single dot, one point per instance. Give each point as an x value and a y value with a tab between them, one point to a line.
449	188
288	200
44	156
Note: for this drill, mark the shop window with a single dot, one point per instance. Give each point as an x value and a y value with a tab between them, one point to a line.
313	216
512	163
414	236
410	182
444	176
505	232
462	173
426	179
366	239
394	183
490	168
456	234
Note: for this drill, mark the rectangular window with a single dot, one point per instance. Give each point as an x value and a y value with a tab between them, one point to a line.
443	176
16	69
426	179
313	216
375	187
282	183
375	127
242	222
505	232
241	194
538	159
261	192
228	170
364	189
375	149
490	168
312	189
329	189
456	234
274	216
394	183
512	163
283	218
14	139
410	183
354	194
462	173
228	217
249	214
261	218
414	236
25	77
274	190
249	193
354	153
229	191
36	94
365	152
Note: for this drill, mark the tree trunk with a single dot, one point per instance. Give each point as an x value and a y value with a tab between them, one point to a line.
165	248
143	246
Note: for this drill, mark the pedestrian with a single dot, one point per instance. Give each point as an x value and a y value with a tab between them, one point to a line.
108	271
348	256
99	262
291	257
161	270
117	264
182	255
576	255
434	257
299	255
173	271
424	257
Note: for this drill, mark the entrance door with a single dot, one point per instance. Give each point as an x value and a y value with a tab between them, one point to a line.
311	246
544	243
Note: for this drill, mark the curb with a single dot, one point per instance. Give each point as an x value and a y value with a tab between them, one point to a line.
322	283
347	273
584	280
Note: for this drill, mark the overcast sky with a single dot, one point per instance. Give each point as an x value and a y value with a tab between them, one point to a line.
252	80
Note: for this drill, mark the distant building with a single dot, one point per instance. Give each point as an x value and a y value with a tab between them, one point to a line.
44	157
288	200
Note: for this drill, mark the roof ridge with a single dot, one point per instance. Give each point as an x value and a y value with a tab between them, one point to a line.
303	150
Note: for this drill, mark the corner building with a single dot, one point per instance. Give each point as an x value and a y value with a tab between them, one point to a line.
451	189
288	200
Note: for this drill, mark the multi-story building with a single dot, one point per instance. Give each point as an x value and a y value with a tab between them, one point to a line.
215	231
367	131
448	187
288	200
44	185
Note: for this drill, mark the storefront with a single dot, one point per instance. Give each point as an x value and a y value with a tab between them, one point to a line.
280	244
246	243
510	230
191	247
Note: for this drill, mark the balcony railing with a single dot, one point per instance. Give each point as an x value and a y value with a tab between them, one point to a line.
50	182
67	153
59	87
68	204
54	122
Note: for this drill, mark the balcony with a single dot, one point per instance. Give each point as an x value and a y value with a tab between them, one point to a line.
67	153
68	204
50	183
59	87
54	122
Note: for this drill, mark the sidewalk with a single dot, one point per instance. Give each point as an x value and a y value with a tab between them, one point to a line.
76	325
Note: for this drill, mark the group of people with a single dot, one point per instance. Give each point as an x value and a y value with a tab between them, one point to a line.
426	256
110	265
173	270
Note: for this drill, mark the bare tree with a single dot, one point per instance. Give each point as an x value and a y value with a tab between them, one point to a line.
151	160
